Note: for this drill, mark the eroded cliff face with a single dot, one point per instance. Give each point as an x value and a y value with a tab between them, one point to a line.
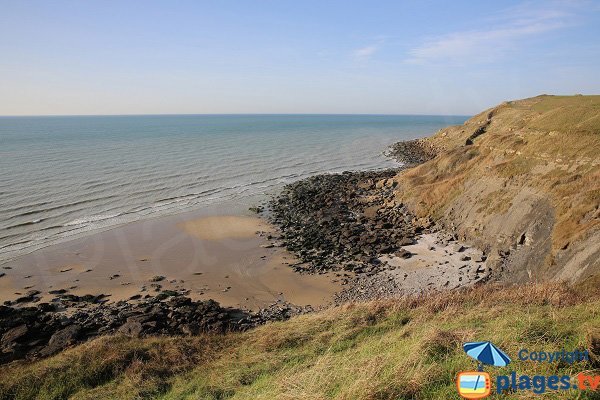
522	181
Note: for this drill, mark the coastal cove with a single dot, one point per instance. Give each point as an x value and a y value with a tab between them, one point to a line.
63	178
226	269
296	200
354	246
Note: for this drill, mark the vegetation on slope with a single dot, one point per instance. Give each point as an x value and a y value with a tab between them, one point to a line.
403	349
520	178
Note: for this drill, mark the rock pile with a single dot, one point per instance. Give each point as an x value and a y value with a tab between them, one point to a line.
411	152
342	221
45	329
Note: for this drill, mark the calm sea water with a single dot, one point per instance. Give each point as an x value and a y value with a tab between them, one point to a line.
63	177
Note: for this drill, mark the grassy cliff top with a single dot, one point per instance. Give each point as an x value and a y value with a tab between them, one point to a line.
404	349
566	116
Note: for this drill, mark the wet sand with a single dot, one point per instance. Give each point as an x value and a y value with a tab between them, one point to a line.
210	254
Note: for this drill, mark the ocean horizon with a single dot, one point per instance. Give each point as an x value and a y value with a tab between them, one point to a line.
67	176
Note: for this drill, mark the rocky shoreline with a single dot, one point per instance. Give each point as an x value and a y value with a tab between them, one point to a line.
352	224
348	223
342	221
412	152
47	328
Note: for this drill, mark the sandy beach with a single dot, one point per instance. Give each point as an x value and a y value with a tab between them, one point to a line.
208	254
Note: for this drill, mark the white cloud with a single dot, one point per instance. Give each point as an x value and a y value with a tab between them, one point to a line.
505	32
364	53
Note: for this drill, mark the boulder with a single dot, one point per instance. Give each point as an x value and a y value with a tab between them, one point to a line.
13	335
131	328
62	339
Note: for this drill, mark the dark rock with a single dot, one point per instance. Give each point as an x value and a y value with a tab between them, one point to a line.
256	209
29	297
47	328
402	253
133	329
12	335
327	223
62	339
412	152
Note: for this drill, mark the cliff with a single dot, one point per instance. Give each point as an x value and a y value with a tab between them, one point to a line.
522	181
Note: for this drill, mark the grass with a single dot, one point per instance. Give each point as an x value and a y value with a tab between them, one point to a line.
548	146
404	349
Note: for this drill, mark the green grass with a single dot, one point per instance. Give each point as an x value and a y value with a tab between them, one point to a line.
404	349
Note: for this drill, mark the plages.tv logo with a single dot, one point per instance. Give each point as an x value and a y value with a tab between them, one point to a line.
478	384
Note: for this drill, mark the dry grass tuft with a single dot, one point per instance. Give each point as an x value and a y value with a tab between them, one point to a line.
593	344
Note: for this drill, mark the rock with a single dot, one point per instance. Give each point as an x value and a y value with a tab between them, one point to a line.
165	294
29	297
62	339
12	335
402	253
157	278
133	329
412	152
190	329
406	241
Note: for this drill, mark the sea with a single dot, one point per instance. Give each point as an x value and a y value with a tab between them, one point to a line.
63	177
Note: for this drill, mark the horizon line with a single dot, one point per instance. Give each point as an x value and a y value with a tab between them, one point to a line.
225	114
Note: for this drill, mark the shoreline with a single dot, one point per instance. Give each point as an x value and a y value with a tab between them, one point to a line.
244	282
218	253
352	223
322	241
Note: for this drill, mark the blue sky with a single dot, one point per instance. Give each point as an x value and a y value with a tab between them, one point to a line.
225	56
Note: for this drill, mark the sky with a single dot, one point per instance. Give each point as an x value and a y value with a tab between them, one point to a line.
289	56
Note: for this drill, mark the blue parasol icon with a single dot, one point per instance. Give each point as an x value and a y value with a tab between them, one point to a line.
486	353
